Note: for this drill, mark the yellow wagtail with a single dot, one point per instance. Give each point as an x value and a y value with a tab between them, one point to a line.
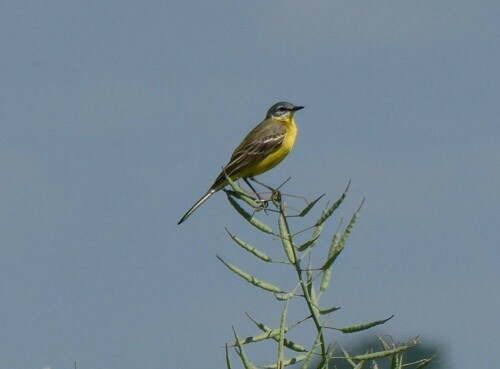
262	149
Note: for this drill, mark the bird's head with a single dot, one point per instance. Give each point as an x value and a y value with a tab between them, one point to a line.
282	111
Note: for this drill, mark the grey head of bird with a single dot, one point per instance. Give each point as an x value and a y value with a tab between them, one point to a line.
282	110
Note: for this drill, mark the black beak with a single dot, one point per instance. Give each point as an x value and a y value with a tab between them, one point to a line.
295	108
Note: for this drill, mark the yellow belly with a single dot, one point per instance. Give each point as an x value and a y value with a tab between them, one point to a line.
275	157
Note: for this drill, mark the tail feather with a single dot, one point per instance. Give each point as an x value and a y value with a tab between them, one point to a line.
197	205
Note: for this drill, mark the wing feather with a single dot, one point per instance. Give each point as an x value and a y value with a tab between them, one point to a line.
262	141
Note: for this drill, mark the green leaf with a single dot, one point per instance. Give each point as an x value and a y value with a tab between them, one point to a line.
379	354
246	363
309	207
285	237
284	296
293	346
329	310
271	334
363	326
314	301
329	261
228	362
308	244
348	229
336	247
310	293
325	279
242	196
311	352
329	211
249	248
248	217
397	361
281	337
309	278
238	192
287	362
313	239
249	278
289	344
233	185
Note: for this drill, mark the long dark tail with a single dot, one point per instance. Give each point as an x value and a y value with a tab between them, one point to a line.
197	204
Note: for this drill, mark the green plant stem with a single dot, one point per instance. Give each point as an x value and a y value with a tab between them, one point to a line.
305	291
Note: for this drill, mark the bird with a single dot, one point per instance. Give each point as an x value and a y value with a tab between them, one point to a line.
264	147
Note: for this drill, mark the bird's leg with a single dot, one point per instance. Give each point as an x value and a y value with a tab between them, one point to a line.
262	184
253	189
263	202
275	193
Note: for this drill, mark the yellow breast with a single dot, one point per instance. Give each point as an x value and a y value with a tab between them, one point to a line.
277	156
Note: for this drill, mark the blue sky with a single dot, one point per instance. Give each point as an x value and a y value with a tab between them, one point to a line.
117	115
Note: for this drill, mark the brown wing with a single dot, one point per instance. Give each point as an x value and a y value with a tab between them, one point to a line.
263	140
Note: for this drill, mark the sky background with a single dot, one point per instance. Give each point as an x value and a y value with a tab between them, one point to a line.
117	115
